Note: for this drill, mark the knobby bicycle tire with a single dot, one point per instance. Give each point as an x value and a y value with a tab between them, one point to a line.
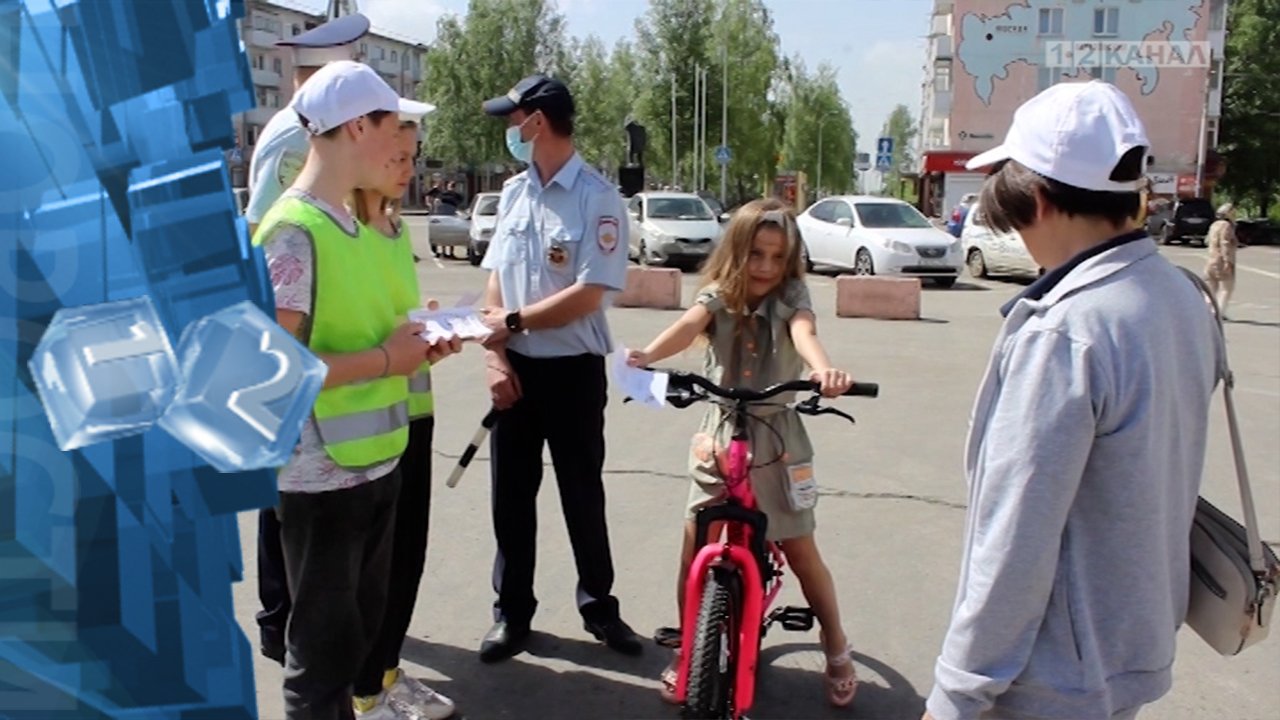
710	687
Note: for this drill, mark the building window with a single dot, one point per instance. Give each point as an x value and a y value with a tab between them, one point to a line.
942	77
295	30
1051	21
267	23
259	61
1047	76
309	25
1105	74
1217	14
364	50
251	134
1215	74
394	57
276	66
1106	22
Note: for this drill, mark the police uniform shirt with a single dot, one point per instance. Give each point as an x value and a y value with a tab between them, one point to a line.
278	158
548	238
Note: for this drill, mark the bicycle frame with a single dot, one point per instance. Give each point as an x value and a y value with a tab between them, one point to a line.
744	550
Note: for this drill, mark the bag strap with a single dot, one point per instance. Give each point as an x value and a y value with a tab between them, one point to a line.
1233	430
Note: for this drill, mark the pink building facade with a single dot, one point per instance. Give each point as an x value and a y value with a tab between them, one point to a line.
987	57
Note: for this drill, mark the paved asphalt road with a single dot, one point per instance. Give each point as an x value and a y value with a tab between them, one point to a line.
890	521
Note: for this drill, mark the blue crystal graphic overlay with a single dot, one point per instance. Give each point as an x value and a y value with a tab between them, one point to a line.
247	388
117	558
104	371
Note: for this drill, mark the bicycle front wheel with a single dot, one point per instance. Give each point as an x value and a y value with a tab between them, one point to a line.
713	658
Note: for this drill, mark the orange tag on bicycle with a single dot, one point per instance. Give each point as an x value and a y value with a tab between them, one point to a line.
802	488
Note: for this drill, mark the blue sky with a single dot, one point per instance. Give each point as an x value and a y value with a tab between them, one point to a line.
876	45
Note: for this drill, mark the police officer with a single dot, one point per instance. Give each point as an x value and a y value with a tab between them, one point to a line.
277	159
282	145
559	246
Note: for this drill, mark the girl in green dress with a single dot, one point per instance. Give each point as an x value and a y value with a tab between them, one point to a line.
756	318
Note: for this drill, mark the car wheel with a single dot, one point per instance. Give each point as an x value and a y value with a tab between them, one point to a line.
472	256
863	264
976	263
1166	237
945	282
808	261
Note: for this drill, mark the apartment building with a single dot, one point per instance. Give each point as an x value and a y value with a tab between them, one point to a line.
987	57
398	59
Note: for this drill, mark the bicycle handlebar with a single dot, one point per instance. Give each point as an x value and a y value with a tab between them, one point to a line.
679	380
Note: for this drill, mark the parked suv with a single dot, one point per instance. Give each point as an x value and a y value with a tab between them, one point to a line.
1189	221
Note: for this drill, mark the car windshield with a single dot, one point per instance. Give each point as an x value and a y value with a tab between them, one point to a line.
487	205
1195	208
678	209
890	215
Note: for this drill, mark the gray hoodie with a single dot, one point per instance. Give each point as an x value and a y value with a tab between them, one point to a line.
1084	459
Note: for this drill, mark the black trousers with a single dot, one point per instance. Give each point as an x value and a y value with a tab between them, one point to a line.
337	554
273	586
562	406
408	557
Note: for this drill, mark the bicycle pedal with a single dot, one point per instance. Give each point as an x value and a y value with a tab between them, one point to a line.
668	637
793	618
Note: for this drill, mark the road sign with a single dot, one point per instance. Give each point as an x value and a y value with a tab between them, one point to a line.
863	162
884	153
237	156
723	155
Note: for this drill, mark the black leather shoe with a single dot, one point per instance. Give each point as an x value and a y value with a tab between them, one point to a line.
616	634
502	641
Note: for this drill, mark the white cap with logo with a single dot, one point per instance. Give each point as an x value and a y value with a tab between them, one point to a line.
1075	133
345	90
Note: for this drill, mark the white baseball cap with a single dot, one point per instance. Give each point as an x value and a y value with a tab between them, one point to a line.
416	116
1075	133
345	90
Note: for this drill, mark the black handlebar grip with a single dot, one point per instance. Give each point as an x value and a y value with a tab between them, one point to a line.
862	389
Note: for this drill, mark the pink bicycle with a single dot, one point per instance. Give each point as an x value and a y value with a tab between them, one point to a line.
734	579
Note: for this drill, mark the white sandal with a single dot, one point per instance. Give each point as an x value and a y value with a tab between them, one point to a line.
841	690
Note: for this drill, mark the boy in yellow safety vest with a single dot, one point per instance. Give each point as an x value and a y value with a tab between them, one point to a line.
338	492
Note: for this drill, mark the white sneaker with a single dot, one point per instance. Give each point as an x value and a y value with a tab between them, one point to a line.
425	702
388	708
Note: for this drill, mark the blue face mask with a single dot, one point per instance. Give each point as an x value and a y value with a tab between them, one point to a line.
520	149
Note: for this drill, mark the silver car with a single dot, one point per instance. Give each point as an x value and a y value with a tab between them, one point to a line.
672	227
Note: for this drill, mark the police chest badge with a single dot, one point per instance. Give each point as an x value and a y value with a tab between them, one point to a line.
558	257
607	234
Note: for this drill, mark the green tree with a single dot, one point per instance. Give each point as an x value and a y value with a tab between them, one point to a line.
902	128
672	39
746	38
1251	103
481	55
818	129
603	86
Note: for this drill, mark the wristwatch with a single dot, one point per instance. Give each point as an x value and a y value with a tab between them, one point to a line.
514	322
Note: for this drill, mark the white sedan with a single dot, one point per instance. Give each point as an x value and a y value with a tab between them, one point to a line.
989	253
879	236
671	227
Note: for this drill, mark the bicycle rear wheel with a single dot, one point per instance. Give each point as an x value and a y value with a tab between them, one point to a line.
713	658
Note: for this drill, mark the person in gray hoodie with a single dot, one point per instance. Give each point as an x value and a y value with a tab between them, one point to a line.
1087	439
